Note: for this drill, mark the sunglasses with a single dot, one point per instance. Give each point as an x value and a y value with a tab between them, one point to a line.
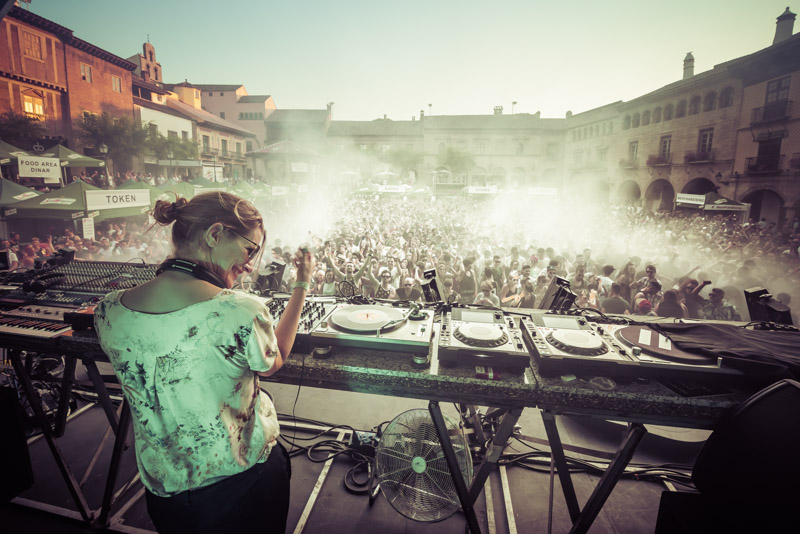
251	252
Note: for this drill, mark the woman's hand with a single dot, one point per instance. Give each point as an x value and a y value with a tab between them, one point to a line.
305	263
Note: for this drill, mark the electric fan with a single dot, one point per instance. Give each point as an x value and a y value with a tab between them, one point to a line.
411	468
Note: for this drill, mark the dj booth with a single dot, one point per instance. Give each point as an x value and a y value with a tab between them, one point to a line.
563	364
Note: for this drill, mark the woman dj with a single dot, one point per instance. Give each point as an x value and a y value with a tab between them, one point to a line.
188	351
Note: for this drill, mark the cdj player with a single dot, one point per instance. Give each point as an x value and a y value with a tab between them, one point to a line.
572	345
482	337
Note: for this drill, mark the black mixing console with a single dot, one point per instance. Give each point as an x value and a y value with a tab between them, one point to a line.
314	312
76	284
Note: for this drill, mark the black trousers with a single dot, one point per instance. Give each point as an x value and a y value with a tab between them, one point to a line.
256	500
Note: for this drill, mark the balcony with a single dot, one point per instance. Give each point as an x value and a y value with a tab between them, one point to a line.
698	157
794	163
654	160
771	112
208	150
629	163
764	164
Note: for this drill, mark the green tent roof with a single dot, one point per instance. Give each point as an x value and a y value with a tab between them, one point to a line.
70	158
184	189
11	193
67	203
8	153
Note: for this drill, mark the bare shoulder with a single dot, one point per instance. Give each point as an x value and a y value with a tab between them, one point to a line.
165	294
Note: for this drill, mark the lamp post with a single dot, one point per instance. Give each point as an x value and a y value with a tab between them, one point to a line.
103	148
169	157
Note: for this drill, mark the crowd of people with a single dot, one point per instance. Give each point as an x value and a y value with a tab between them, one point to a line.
671	264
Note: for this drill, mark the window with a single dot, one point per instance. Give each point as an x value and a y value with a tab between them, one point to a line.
241	115
86	73
680	110
480	149
221	114
694	105
385	148
778	90
645	118
116	84
665	146
224	146
32	45
210	93
668	112
238	148
602	154
152	128
222	94
184	135
197	93
636	120
626	122
705	141
33	105
726	97
88	116
249	146
150	54
633	151
172	134
206	143
155	73
710	102
657	115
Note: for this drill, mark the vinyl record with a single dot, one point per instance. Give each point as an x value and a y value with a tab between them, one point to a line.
367	319
654	344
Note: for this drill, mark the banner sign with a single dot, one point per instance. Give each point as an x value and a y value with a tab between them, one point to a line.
127	198
60	201
10	211
25	196
393	188
88	228
38	167
482	189
684	198
212	172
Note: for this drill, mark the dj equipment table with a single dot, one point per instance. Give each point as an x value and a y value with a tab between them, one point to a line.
396	374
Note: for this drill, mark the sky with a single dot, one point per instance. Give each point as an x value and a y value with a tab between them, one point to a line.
447	57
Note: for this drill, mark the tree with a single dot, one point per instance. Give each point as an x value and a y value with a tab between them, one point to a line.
406	159
125	138
160	147
457	161
20	130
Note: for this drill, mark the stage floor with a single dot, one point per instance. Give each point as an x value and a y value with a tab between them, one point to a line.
631	508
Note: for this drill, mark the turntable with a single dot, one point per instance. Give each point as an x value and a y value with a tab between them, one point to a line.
481	337
572	345
376	327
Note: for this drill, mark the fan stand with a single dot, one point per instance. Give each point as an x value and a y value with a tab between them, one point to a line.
468	496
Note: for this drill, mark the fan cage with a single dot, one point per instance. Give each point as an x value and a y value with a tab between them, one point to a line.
412	470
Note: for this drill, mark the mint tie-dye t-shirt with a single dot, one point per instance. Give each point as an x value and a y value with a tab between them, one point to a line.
190	379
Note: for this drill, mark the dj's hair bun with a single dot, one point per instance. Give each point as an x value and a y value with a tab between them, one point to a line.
166	212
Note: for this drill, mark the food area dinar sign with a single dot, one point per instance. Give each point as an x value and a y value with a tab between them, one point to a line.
38	167
122	198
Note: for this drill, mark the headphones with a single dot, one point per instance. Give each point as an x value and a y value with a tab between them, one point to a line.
40	283
193	269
